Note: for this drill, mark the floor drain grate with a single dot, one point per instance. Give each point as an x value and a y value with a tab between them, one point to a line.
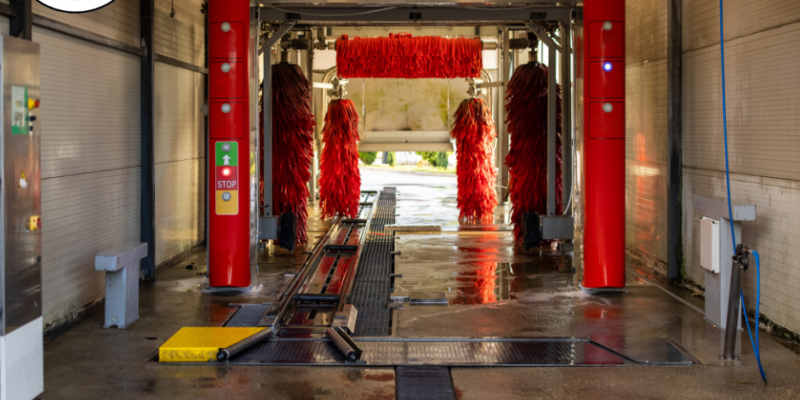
424	383
373	285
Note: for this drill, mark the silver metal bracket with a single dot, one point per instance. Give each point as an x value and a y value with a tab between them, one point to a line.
474	89
338	90
542	35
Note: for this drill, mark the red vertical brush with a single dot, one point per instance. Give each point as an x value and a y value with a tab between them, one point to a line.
526	116
292	144
340	179
474	133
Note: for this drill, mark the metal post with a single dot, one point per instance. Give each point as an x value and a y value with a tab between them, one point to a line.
566	113
148	112
266	120
731	331
266	117
551	130
310	76
21	24
207	102
502	136
675	141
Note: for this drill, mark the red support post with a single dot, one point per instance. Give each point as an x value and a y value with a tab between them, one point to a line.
603	58
228	146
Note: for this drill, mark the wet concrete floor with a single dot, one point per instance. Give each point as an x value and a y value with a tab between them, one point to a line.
493	290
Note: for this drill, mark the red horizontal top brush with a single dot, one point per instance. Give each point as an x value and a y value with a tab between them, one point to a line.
404	56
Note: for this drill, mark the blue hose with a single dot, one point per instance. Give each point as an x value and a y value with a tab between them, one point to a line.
730	208
758	302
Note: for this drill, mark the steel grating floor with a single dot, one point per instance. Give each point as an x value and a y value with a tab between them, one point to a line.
248	315
424	383
373	285
464	352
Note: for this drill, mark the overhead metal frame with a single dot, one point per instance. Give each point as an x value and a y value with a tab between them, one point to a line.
512	18
416	15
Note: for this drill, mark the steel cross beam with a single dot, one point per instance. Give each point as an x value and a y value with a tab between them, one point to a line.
542	35
406	15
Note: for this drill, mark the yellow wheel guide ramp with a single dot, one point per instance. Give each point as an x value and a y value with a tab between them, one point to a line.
201	344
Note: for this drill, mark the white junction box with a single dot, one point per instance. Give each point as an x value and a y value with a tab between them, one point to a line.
709	244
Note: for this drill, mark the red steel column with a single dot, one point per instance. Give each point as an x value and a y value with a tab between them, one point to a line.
604	143
228	147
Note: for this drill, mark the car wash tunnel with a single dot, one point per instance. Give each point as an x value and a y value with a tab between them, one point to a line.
377	200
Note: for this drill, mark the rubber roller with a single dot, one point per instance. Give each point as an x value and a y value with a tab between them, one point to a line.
231	351
344	343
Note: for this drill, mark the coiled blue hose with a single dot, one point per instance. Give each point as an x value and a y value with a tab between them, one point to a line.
730	208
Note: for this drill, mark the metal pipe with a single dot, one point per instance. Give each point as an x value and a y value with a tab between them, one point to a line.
502	136
551	130
344	343
732	323
318	297
341	247
315	148
231	351
566	115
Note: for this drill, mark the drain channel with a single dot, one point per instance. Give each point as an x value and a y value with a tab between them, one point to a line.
373	285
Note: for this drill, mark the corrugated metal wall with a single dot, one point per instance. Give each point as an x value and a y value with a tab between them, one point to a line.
762	49
180	161
646	132
90	165
180	130
91	145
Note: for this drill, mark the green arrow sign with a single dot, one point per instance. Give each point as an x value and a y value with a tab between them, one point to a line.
229	157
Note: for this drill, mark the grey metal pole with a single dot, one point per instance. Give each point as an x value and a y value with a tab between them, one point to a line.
731	326
266	117
310	76
148	127
674	140
266	145
566	112
551	130
502	136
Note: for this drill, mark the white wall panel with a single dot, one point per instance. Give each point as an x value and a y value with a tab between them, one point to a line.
180	161
742	18
182	36
92	108
646	164
646	132
82	215
763	119
119	20
775	234
762	50
90	165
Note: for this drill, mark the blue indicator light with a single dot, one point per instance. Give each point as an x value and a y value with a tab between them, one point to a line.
607	66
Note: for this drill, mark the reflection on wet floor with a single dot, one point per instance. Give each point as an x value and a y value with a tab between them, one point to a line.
493	290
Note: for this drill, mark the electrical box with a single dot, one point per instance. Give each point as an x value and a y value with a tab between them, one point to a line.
558	227
709	244
21	344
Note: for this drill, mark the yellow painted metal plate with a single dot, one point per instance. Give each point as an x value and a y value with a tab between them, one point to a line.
201	344
230	206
